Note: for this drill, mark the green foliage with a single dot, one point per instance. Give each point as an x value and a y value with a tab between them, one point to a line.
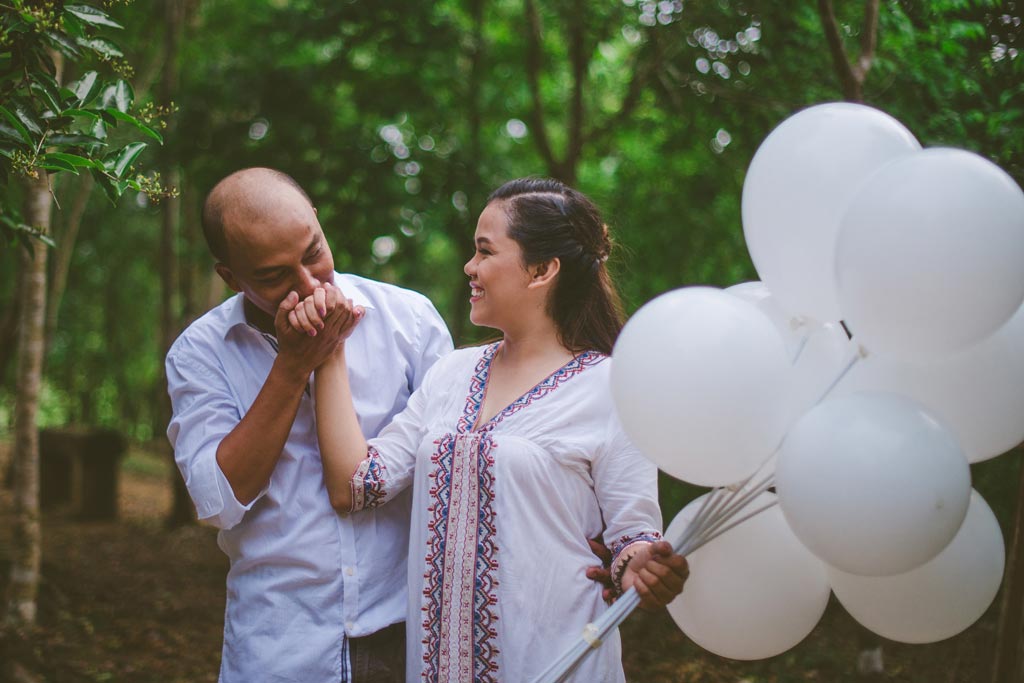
49	128
399	118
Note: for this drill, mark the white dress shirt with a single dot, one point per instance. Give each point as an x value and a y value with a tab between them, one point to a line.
302	577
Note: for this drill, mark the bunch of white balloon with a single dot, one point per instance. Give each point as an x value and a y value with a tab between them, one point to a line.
868	440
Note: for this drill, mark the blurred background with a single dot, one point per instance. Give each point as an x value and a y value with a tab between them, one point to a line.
398	118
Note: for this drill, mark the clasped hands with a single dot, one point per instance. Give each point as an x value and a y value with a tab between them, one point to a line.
657	573
310	330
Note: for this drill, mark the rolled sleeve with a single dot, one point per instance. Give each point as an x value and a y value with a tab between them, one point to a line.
204	411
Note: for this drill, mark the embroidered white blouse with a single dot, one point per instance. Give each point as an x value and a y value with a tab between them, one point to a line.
501	516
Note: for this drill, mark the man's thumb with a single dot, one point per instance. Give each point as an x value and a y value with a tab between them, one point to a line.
287	304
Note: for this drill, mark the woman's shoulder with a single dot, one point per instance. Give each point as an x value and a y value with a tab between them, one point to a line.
457	364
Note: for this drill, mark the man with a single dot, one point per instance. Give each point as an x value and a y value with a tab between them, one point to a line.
312	596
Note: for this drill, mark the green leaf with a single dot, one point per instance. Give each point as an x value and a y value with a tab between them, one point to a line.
118	95
22	131
113	189
11	132
63	44
119	163
85	87
99	128
91	15
102	47
51	163
91	115
74	159
128	118
28	118
73	140
124	96
47	96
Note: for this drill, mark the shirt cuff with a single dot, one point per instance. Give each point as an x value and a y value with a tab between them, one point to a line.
215	499
369	482
622	552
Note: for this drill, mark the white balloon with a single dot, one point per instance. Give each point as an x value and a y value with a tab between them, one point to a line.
796	187
819	351
929	254
939	599
978	393
872	483
754	591
699	384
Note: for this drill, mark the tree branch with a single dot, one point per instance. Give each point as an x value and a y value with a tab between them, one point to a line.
534	59
868	41
847	79
578	60
642	72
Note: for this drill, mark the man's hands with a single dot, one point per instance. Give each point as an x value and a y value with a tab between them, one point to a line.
311	330
657	574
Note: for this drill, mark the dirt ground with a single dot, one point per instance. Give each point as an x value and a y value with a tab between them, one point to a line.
132	601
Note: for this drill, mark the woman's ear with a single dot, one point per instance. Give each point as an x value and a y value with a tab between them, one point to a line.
544	274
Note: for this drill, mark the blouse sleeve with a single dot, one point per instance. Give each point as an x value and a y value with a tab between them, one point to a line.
626	484
391	456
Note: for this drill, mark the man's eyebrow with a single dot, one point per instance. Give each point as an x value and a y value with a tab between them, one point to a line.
259	272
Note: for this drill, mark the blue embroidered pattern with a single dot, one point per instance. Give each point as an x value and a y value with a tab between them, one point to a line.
375	481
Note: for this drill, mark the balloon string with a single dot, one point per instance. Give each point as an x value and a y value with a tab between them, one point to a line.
861	353
796	323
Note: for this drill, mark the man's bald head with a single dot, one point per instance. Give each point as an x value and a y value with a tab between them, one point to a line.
245	196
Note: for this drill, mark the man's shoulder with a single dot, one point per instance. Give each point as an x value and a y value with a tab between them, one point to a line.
384	293
208	329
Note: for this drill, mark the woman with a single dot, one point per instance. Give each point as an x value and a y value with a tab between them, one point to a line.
515	454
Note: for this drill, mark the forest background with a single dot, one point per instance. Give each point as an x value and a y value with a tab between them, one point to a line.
399	117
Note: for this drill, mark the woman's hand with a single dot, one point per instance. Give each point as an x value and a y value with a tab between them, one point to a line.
657	573
326	311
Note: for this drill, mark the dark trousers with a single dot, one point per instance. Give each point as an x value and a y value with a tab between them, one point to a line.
379	657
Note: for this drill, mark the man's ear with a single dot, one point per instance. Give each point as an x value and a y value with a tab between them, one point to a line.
228	277
544	274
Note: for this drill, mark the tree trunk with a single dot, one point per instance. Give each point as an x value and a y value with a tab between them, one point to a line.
63	253
174	22
1009	658
464	222
26	553
9	325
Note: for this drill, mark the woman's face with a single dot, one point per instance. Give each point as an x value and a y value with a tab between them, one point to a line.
497	277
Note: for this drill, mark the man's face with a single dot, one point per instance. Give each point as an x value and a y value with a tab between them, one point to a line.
281	251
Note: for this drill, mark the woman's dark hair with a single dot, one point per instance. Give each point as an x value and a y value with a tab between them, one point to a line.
548	220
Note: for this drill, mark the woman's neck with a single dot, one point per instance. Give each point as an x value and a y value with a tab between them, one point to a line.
537	343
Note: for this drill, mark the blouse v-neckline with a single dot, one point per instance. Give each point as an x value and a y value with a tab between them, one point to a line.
470	421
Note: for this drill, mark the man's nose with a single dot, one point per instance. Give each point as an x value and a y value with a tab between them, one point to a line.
307	282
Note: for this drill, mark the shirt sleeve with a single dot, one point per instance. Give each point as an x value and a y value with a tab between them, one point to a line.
626	484
204	411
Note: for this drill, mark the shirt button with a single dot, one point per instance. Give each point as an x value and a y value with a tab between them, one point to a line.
350	571
350	626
